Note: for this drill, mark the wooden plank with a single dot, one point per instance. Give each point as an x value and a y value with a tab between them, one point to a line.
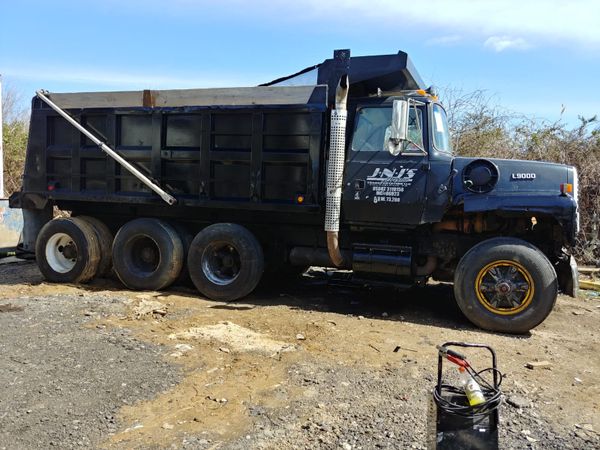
588	269
591	285
244	96
119	99
538	364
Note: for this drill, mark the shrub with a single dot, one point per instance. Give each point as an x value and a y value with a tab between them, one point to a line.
15	128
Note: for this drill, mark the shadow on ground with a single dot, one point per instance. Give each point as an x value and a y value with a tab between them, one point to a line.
322	291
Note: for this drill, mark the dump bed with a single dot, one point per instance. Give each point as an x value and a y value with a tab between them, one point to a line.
255	148
235	147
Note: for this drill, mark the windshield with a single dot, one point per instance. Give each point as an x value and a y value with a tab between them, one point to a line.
373	126
441	135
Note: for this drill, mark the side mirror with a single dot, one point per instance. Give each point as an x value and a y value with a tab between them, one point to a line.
398	131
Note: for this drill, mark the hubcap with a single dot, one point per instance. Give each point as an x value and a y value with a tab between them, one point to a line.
221	263
61	253
504	287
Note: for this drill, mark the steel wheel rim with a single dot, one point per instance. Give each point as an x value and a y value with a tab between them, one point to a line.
504	287
144	252
61	253
221	263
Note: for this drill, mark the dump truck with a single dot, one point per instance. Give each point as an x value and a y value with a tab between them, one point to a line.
347	164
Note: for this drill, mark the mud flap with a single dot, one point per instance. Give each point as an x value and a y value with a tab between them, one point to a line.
33	221
568	277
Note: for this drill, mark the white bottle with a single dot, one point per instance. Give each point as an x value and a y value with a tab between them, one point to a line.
471	388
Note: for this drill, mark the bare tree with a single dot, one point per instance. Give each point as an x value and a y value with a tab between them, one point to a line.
14	138
12	105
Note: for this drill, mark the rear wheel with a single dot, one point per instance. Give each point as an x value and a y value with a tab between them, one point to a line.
105	241
225	261
147	254
505	284
67	251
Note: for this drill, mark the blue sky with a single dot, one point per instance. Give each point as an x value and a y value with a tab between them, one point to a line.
532	56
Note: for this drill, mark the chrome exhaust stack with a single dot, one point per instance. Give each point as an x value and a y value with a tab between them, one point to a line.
335	171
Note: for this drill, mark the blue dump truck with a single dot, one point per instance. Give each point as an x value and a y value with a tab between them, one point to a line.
346	164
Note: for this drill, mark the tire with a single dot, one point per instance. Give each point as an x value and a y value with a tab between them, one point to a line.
147	254
67	251
105	241
506	285
225	261
186	239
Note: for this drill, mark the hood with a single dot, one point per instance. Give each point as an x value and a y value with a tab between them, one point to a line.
493	176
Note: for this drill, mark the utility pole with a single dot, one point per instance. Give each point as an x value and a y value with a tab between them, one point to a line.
1	149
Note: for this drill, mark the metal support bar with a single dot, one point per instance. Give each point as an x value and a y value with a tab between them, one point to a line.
109	151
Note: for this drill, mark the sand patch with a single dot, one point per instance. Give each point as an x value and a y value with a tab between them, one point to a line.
149	307
237	338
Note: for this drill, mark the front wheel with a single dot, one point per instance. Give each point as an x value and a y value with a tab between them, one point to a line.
505	284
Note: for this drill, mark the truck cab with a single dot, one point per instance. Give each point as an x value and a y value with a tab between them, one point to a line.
401	185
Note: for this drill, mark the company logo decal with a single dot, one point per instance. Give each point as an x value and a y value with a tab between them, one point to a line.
397	174
522	176
387	185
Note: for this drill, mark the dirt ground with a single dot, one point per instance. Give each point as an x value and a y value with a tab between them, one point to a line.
307	363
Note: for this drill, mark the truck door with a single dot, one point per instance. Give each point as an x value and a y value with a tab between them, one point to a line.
380	188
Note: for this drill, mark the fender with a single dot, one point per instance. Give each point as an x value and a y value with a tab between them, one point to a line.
526	188
562	208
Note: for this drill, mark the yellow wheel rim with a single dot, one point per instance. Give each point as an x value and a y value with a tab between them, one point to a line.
504	287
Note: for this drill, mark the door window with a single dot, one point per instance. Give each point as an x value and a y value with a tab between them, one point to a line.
373	127
441	135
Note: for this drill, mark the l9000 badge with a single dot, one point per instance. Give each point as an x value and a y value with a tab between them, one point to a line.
522	176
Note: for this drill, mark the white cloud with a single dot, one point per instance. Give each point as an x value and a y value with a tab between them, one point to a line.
569	23
501	43
554	21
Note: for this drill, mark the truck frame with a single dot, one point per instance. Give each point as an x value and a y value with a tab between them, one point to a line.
346	164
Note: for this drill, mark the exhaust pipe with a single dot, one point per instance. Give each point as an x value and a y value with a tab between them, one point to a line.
335	171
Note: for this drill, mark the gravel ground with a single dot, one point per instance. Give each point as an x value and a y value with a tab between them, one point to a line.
309	364
64	379
365	409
